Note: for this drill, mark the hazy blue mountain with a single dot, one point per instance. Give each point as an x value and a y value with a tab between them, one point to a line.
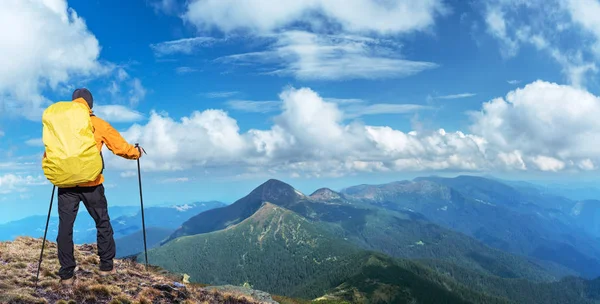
125	220
576	191
134	243
494	213
169	217
84	225
520	196
587	215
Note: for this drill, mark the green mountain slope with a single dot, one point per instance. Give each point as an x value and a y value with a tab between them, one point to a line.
274	249
273	191
569	290
278	251
377	278
399	234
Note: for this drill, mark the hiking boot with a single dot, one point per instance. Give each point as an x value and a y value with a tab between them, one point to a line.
68	282
107	273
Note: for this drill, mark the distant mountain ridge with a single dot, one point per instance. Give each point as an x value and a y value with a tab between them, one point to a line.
403	233
322	244
494	213
126	220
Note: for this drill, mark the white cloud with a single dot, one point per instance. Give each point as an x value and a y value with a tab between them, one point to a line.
117	113
540	127
35	142
19	183
497	27
382	108
383	17
166	6
48	44
122	75
586	13
546	27
457	96
344	101
546	163
306	55
185	70
18	165
182	46
352	108
513	82
220	94
175	180
137	92
587	164
339	39
127	174
545	122
308	136
254	106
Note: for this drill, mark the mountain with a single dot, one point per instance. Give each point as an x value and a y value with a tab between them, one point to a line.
399	234
568	290
496	214
273	191
282	252
131	284
125	220
134	243
517	196
273	240
84	224
168	217
587	215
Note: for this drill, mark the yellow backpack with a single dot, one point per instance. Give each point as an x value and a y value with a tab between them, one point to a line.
72	157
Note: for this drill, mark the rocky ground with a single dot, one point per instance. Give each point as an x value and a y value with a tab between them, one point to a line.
131	284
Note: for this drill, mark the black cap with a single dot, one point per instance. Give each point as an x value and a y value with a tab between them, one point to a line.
85	94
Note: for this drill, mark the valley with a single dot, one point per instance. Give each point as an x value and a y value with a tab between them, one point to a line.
430	240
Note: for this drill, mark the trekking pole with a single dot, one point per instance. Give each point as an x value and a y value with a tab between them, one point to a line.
37	277
142	203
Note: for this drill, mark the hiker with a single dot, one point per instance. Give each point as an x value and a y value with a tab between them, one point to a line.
91	193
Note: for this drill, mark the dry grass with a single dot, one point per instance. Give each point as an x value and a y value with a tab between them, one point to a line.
131	285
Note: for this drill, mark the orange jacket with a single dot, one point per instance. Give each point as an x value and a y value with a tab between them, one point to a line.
104	133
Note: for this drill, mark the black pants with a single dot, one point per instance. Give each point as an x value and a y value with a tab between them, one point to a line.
68	205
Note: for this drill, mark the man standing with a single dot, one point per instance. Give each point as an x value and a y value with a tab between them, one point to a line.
92	196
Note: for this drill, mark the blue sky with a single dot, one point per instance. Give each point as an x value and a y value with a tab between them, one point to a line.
225	95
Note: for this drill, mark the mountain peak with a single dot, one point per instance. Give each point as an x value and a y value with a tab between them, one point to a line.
276	192
325	194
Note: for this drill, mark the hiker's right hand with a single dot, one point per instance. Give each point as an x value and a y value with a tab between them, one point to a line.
140	149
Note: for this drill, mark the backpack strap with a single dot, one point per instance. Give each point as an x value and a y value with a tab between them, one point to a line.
102	157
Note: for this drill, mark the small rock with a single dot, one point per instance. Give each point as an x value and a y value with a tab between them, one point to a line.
163	287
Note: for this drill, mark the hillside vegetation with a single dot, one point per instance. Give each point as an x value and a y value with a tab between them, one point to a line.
401	234
132	284
284	253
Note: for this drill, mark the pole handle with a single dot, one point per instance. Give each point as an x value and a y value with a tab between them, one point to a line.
137	145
